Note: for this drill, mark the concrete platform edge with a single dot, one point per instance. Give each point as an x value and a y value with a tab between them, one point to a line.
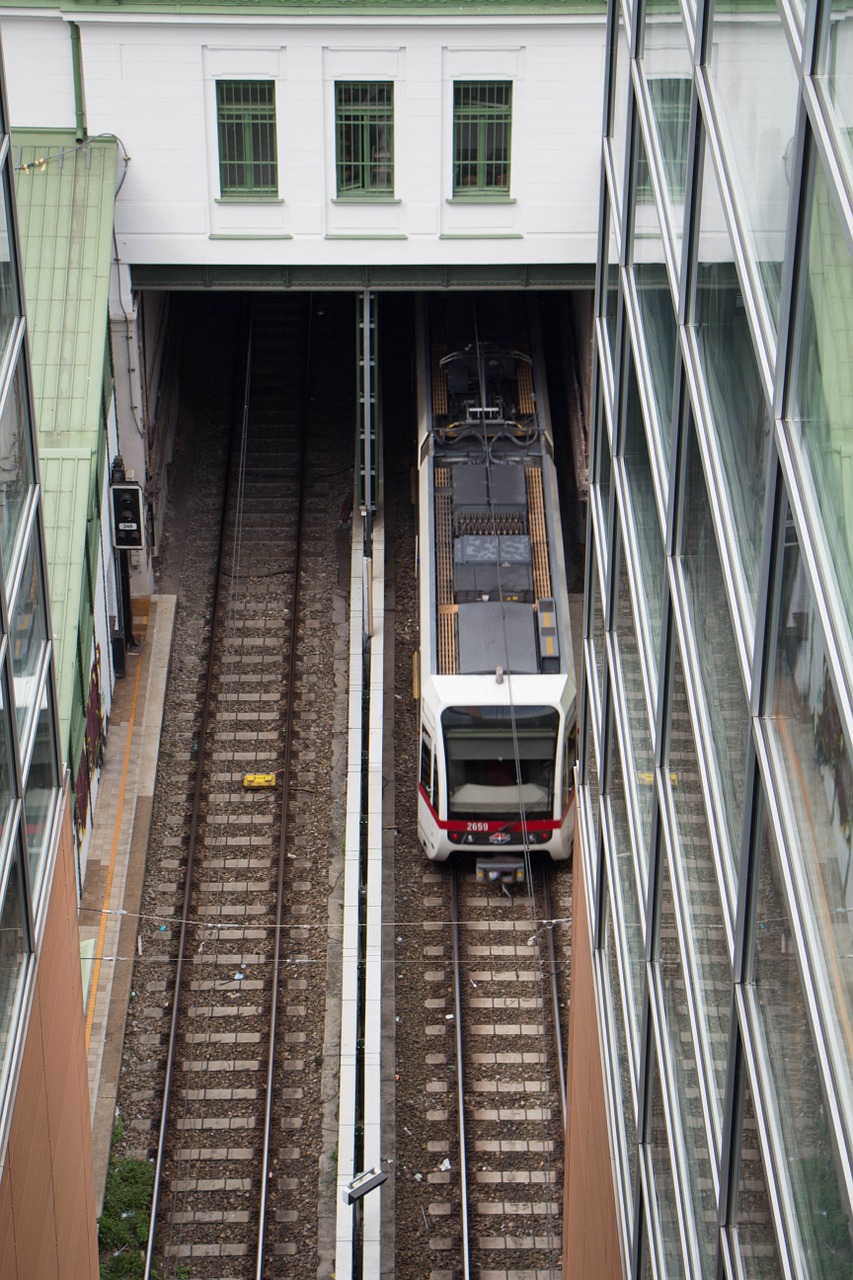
145	748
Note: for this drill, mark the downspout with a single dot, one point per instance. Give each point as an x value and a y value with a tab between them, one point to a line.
77	66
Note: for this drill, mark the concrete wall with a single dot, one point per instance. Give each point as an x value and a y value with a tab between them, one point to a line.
47	1193
152	83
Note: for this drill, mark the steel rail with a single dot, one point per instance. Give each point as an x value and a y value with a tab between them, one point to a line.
460	1082
285	795
548	921
197	795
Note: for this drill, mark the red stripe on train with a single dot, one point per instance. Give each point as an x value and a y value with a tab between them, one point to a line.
484	826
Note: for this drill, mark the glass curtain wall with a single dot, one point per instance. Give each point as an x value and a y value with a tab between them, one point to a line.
715	826
30	769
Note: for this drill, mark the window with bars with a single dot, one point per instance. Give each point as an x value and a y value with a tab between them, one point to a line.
245	113
482	122
364	137
670	99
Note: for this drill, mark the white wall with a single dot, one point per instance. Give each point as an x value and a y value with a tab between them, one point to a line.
151	82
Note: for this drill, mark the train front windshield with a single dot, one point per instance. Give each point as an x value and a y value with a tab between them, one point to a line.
500	761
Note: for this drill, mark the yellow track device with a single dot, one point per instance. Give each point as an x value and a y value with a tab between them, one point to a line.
258	781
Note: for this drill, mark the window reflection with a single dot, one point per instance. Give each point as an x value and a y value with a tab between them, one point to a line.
656	311
837	70
40	793
645	513
619	118
824	379
7	783
755	89
823	1216
675	991
9	305
592	779
13	958
752	1216
28	636
699	878
740	417
622	1077
597	637
719	669
626	869
814	754
610	268
16	462
667	1202
636	710
668	71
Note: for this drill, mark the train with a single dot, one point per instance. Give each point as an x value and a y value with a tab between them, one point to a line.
494	673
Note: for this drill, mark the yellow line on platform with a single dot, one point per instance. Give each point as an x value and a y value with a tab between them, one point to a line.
99	950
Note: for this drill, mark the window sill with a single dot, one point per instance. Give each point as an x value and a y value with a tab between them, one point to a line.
481	197
249	199
364	197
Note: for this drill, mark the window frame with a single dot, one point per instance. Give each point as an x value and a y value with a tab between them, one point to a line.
359	123
236	151
482	116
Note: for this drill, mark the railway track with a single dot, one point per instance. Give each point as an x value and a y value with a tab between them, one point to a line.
510	1083
224	1196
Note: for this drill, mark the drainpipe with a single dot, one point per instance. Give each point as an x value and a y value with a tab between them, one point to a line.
77	66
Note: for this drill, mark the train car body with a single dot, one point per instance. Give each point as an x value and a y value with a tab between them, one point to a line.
496	676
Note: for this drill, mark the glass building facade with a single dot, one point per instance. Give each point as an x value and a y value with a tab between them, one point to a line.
30	808
716	799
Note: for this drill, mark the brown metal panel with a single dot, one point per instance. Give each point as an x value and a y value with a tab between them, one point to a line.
590	1230
47	1196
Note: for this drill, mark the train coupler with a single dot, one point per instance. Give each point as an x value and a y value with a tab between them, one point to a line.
500	871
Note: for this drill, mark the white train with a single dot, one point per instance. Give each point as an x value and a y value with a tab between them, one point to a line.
496	679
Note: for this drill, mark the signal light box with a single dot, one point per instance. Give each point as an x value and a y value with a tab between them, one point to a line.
127	517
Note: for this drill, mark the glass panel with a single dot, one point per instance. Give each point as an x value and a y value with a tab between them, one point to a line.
7	781
667	1202
741	422
752	1231
40	792
28	637
824	378
248	161
364	137
755	88
836	67
815	759
16	460
603	465
719	669
823	1216
482	123
709	950
619	118
636	708
623	1076
9	305
644	511
611	284
657	314
597	637
668	71
676	1001
13	960
623	859
592	778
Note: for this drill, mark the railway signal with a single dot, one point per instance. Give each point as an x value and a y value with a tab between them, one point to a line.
127	517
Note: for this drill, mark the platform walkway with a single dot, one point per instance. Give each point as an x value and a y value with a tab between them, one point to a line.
115	870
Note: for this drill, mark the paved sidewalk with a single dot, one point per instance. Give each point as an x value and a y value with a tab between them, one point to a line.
116	865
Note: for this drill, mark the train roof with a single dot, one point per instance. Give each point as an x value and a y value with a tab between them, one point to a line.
496	582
